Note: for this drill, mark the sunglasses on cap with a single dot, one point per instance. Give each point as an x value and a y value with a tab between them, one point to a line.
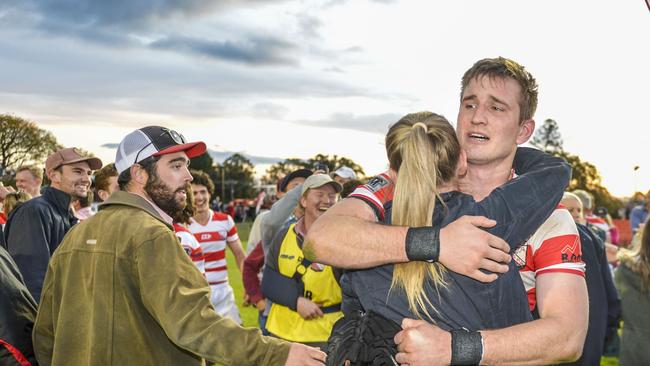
175	136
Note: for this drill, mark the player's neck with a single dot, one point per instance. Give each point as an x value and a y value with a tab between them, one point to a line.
482	179
202	216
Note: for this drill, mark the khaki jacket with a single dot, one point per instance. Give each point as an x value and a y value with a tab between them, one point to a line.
120	290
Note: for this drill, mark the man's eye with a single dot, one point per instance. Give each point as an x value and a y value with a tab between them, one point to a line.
497	108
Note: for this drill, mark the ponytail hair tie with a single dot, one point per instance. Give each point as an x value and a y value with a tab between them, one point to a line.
420	124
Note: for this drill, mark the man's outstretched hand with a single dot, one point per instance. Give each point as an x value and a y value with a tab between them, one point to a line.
301	355
465	248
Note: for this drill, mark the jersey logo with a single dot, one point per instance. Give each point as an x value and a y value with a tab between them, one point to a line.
570	252
203	237
377	183
519	256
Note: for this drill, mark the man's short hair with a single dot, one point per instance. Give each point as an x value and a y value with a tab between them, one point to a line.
33	169
102	176
501	67
148	164
586	198
202	178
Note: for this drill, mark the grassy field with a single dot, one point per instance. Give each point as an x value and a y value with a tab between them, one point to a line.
249	313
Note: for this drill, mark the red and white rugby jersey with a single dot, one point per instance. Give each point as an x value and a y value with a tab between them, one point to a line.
191	246
554	247
213	238
379	190
599	222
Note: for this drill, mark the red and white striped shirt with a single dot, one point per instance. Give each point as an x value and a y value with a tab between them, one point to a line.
191	247
213	238
554	247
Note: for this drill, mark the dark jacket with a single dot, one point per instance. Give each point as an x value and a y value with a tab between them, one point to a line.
604	304
34	231
636	317
17	314
519	207
120	290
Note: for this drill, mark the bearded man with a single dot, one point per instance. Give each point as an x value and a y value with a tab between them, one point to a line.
120	290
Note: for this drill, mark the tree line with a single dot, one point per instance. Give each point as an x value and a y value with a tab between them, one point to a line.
23	142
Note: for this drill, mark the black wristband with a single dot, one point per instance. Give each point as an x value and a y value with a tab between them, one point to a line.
423	243
466	347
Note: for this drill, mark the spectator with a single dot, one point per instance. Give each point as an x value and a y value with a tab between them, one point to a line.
189	243
35	229
106	182
349	187
604	303
344	174
637	199
17	315
29	179
214	231
285	211
306	295
13	200
595	223
82	206
639	215
633	282
121	291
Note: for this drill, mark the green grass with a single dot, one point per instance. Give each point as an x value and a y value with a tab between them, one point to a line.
249	313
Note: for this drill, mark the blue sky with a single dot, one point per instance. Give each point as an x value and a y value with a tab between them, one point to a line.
296	78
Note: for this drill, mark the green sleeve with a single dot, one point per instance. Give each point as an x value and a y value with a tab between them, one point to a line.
43	333
178	297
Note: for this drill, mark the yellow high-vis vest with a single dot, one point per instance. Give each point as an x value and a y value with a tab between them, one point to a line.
321	287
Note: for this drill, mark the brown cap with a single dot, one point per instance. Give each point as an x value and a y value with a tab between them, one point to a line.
70	155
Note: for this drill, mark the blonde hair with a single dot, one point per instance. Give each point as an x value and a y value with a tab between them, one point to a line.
424	151
638	259
13	200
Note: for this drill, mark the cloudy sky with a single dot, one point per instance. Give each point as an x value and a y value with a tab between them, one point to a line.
294	78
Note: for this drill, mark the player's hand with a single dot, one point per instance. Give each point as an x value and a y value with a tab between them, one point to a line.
301	355
261	305
465	248
308	309
421	343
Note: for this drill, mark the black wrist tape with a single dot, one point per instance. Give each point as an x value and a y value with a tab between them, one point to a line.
466	347
423	243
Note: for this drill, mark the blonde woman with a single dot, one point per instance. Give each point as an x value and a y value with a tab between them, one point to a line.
633	282
427	161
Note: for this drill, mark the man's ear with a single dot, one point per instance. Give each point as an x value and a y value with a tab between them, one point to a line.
139	174
54	176
103	195
526	130
303	202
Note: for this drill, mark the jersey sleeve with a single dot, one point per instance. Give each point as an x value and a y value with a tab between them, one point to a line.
232	230
376	193
558	247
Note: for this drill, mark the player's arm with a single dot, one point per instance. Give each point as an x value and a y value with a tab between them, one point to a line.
558	336
348	236
238	252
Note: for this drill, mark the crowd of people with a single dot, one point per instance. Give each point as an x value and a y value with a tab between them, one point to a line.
468	250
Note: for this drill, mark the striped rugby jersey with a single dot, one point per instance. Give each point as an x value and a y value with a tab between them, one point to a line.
213	238
191	247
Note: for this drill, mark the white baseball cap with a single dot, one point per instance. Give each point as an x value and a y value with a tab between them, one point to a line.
345	172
